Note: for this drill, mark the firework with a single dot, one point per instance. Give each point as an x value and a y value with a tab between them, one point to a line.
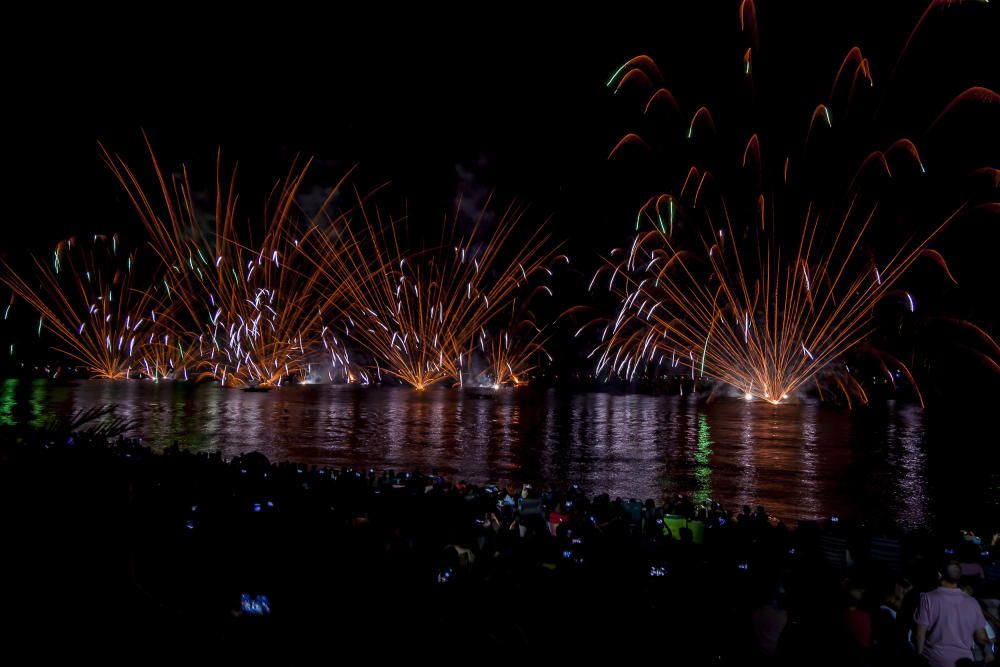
759	276
85	295
417	313
516	349
161	355
242	311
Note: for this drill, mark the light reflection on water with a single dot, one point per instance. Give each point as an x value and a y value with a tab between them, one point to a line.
800	460
905	455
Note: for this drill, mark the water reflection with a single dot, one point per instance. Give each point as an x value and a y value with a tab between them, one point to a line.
8	402
703	457
37	402
808	487
748	450
800	460
906	450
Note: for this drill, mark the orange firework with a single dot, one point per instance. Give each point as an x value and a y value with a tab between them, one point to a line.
86	297
759	280
245	311
515	350
416	313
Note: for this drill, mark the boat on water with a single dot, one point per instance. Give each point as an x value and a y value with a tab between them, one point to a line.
257	388
481	391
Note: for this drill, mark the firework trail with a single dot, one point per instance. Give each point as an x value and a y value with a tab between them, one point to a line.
244	311
515	350
85	295
418	313
761	276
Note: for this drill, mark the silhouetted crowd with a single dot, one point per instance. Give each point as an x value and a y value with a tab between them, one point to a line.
115	548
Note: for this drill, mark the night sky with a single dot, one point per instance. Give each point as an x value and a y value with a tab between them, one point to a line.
505	100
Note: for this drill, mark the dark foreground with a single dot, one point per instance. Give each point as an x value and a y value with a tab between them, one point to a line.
110	549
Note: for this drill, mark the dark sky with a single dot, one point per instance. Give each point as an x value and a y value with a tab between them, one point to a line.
513	99
410	97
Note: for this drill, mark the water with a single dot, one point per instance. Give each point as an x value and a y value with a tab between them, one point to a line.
801	460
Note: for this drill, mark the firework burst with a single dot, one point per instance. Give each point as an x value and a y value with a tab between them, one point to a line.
85	295
243	311
761	276
416	313
518	347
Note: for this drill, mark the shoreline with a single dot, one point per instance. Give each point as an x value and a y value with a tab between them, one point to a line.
142	535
